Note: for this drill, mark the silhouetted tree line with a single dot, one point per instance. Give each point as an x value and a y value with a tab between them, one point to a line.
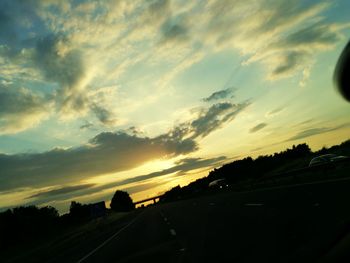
31	223
19	223
249	169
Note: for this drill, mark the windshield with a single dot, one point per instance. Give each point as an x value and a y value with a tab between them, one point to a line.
114	111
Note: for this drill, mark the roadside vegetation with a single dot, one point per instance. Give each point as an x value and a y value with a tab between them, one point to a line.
285	167
35	231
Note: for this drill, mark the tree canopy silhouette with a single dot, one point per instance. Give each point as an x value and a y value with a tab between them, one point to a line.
122	202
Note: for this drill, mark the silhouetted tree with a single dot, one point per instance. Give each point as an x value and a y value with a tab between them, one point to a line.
78	211
122	202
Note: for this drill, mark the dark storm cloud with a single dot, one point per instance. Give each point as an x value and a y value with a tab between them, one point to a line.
315	131
218	95
61	191
258	127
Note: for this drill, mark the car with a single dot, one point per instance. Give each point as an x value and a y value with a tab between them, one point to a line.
219	183
327	158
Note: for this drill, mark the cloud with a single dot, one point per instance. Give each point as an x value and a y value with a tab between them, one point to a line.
70	49
103	115
20	109
214	117
274	112
218	95
61	191
16	17
174	29
68	192
258	127
288	63
207	120
181	167
284	36
315	131
110	152
87	125
63	65
157	11
85	191
105	153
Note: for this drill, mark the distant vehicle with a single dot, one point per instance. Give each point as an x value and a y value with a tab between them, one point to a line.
327	158
219	183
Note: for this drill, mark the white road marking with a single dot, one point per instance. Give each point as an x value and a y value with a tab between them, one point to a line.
108	239
254	204
172	231
182	249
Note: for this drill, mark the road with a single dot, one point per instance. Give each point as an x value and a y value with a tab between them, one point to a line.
288	224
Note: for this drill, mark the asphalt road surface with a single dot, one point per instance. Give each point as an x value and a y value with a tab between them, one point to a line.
288	224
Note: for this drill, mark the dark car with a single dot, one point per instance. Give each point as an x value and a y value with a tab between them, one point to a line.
219	183
327	158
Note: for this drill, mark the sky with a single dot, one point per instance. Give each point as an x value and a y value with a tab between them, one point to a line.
142	96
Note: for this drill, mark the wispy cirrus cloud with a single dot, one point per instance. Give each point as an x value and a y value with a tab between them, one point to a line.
61	191
285	36
258	127
315	131
274	112
181	167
